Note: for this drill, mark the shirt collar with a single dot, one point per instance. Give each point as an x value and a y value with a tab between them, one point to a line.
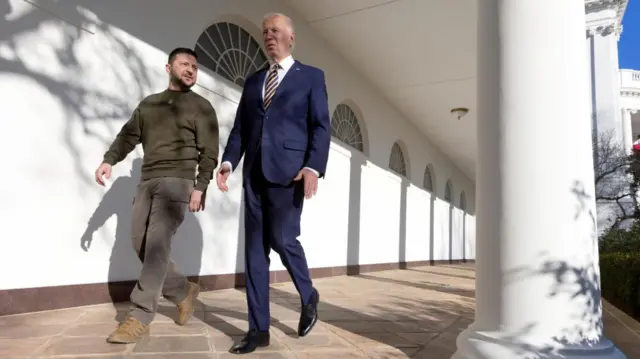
285	63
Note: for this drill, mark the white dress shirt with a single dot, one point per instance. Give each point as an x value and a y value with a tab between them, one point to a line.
285	66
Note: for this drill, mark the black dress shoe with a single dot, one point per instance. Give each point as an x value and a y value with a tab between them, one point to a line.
253	340
309	314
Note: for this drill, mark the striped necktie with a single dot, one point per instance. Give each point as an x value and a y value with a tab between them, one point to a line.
271	86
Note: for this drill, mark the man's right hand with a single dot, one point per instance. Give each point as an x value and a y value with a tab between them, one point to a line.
103	170
223	175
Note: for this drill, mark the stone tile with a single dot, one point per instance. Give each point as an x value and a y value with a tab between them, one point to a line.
335	315
157	329
220	316
445	340
83	346
15	331
285	314
259	354
54	317
102	315
226	304
229	328
373	340
390	353
290	328
434	352
330	354
418	338
222	343
172	344
95	330
21	348
192	328
314	341
169	356
356	326
415	313
409	326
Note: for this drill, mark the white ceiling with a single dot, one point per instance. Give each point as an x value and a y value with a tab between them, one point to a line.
430	45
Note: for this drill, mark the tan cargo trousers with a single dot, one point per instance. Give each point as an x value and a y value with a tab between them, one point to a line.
158	210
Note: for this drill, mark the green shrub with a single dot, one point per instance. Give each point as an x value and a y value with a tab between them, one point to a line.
620	278
616	240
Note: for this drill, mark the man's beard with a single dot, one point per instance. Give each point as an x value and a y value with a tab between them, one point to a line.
176	80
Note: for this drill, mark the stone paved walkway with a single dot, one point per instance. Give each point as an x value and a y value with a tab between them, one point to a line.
413	313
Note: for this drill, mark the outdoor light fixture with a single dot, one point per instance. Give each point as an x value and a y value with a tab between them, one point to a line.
459	112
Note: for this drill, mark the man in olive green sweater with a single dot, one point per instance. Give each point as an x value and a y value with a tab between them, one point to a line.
178	130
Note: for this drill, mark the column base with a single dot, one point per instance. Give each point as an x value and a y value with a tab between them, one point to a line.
495	345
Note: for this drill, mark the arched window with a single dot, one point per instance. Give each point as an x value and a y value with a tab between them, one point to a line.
463	202
230	51
346	127
427	182
397	160
448	191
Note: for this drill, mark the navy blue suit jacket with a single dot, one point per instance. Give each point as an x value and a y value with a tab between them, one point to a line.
293	133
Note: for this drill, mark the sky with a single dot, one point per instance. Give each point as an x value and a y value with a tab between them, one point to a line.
629	46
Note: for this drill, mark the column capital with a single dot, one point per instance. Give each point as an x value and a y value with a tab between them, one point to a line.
604	30
604	17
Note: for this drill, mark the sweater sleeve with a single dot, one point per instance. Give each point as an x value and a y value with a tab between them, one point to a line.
126	140
207	143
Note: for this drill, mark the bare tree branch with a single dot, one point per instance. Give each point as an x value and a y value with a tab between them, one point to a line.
616	175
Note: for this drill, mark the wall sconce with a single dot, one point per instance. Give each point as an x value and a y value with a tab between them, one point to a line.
459	112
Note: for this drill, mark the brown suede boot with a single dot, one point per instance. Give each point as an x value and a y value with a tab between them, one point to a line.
187	306
129	331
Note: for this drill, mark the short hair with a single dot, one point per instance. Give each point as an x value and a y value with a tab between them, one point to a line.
287	19
181	50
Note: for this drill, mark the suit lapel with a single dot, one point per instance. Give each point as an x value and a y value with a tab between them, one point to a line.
287	81
259	85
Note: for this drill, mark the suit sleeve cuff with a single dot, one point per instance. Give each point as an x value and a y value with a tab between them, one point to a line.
227	163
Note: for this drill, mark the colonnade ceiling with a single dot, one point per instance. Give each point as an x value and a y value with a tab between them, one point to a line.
420	55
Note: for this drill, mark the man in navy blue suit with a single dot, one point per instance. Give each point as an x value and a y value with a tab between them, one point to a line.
282	127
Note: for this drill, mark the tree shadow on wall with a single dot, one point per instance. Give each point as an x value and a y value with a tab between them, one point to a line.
96	72
66	46
571	282
124	265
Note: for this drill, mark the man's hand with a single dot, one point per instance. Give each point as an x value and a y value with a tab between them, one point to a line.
196	202
222	176
103	170
310	182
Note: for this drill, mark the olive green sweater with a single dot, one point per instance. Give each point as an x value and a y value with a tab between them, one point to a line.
178	131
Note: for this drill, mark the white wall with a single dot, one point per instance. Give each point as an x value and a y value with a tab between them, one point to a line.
67	86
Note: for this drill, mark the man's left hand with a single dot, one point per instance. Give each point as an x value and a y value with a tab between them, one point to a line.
310	182
196	202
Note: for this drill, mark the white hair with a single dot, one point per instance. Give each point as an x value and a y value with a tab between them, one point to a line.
287	21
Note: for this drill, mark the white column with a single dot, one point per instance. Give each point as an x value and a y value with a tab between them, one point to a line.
606	74
628	131
537	272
